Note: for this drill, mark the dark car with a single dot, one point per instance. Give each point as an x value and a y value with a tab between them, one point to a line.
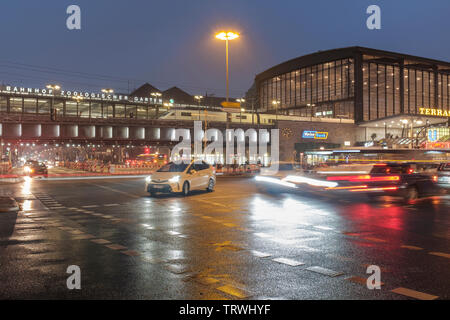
32	167
391	179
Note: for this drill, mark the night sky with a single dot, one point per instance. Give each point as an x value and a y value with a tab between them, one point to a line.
123	44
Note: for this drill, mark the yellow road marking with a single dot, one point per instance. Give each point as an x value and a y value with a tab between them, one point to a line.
440	254
374	239
411	247
233	291
414	294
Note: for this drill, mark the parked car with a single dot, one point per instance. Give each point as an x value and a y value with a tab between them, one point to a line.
181	178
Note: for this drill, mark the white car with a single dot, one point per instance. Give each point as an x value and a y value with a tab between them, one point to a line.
182	177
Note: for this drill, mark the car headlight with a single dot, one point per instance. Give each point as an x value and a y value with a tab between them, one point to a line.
148	179
174	179
27	169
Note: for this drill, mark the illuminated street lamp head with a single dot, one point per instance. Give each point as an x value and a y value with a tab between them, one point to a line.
198	97
228	35
53	86
107	90
275	102
156	94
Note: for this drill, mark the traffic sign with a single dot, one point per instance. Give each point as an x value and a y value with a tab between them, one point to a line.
229	104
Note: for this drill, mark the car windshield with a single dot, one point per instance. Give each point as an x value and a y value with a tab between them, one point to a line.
172	167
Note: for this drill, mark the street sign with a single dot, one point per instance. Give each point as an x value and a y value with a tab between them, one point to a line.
229	104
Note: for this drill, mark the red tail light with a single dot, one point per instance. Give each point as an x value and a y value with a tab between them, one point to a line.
364	178
375	189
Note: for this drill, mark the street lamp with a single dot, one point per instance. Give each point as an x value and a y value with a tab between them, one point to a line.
229	35
108	90
54	87
276	103
198	98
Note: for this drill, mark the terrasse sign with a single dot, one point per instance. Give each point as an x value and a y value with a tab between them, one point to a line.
81	94
434	112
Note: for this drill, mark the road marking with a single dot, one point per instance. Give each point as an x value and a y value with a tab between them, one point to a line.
440	254
262	235
83	237
131	253
323	228
76	232
115	246
206	280
260	254
111	205
411	247
101	241
414	294
91	206
234	291
374	239
115	190
360	280
324	271
289	262
230	225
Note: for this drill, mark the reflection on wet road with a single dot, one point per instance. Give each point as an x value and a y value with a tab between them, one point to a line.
236	243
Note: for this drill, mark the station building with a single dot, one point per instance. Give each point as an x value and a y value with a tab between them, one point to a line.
352	96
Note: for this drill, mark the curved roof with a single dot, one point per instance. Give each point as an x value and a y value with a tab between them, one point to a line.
343	53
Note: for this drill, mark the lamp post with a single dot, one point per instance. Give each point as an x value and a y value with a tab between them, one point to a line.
54	87
229	35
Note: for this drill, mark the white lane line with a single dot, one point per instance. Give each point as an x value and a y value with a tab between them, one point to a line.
260	254
414	294
91	206
324	271
111	205
289	262
115	190
173	233
262	235
323	228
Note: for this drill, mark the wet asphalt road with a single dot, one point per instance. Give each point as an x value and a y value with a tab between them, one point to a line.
239	242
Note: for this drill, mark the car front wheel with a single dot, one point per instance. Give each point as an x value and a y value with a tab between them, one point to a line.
185	191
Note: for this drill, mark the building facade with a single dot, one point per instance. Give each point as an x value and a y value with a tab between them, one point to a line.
356	83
